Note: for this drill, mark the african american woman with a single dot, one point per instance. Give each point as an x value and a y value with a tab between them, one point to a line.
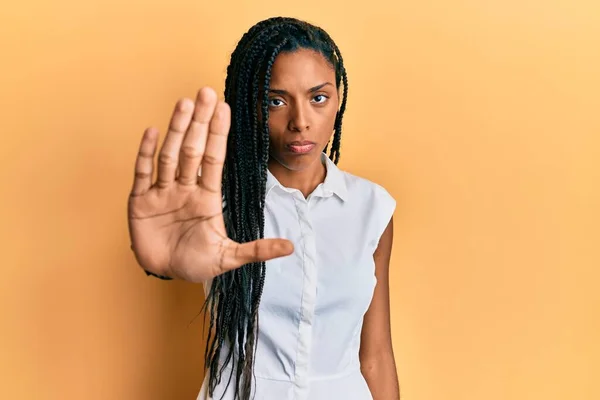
293	252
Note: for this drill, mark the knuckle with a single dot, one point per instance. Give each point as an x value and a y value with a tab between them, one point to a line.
166	159
212	160
141	175
200	121
190	151
162	183
144	153
185	181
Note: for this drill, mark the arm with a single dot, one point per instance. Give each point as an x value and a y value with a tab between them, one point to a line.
376	354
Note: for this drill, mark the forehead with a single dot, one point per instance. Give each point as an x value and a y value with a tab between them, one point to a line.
302	68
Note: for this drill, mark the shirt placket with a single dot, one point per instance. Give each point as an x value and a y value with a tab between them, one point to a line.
309	294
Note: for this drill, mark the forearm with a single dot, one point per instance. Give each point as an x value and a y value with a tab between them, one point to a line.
381	376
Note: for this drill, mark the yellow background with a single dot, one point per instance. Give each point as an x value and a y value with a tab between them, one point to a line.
480	117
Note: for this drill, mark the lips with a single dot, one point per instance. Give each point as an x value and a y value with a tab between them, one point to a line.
301	142
301	147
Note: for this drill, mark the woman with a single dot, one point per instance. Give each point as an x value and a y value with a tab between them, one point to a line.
247	202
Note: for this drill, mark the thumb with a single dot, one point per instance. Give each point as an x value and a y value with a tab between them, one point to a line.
238	254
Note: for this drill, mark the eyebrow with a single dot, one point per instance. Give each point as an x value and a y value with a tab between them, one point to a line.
311	90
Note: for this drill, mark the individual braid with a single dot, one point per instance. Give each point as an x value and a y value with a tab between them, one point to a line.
234	297
258	289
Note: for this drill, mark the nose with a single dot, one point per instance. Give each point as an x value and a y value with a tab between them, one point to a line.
299	118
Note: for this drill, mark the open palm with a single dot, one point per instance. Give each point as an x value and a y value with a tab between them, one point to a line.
176	224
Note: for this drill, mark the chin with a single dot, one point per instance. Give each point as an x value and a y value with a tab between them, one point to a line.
296	162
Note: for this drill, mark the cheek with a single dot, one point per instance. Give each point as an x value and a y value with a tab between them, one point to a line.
330	118
277	128
333	114
276	122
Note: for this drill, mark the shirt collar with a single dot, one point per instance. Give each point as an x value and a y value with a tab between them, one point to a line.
334	183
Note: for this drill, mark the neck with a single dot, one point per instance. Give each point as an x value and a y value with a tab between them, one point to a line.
305	180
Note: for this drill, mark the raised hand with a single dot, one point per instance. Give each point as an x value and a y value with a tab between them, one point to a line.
176	223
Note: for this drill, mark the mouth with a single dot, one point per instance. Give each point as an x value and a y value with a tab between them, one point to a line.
301	147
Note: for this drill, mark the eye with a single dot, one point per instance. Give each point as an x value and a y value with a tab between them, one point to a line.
320	98
275	103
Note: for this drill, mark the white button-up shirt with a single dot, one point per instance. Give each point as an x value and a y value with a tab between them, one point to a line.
314	300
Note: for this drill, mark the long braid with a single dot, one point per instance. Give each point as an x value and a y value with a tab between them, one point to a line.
257	290
340	74
337	138
234	297
251	297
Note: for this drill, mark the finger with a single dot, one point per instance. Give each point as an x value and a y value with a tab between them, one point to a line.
169	153
194	142
216	148
144	164
259	250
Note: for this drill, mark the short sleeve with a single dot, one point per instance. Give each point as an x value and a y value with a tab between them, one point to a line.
385	205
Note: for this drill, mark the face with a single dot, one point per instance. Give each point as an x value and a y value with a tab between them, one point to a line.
303	102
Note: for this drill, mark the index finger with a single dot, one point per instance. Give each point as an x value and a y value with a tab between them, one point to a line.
216	148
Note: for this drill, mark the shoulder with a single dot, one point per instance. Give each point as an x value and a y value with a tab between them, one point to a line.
366	190
374	205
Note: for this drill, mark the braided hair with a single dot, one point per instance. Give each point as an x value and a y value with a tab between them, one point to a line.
234	297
